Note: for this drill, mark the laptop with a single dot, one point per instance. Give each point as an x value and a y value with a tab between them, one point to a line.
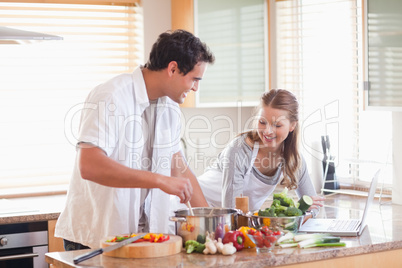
343	227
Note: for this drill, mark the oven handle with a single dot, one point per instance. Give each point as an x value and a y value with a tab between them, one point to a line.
19	256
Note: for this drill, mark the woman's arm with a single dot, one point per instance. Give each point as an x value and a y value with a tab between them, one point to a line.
234	161
180	169
306	187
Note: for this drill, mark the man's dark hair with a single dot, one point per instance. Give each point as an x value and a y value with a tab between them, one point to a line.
180	46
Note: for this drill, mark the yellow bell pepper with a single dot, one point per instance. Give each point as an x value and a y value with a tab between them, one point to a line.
266	222
247	241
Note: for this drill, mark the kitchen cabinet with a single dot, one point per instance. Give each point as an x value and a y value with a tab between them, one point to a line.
55	243
183	18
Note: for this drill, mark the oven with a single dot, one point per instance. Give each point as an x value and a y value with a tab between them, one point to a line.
23	245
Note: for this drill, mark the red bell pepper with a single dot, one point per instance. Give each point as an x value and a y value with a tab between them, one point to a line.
236	237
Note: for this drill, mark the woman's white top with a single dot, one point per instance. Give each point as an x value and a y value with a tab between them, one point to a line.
233	174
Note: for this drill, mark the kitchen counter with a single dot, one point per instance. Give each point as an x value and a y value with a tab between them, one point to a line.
30	209
380	245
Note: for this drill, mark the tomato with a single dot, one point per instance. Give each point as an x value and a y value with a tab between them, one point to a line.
265	230
258	233
259	241
271	239
251	231
277	233
267	243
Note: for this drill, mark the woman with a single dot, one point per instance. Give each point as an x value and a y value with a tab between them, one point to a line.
255	162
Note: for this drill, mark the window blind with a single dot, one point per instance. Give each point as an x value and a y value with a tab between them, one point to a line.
384	20
235	32
319	57
43	85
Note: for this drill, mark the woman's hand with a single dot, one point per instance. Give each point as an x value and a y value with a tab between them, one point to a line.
317	202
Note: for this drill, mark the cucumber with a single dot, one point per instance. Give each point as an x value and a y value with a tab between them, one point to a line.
330	239
305	202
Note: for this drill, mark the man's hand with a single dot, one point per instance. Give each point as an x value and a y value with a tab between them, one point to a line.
96	166
180	187
180	169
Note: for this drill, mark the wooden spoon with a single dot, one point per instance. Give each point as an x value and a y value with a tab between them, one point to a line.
190	208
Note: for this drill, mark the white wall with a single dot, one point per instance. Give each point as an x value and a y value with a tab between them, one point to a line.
207	130
157	19
397	157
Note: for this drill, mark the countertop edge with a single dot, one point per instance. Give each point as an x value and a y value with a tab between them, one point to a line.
29	218
314	254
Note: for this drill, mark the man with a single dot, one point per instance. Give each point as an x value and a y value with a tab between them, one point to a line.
128	150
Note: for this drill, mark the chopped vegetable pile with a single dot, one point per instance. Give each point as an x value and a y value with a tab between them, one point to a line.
150	237
188	227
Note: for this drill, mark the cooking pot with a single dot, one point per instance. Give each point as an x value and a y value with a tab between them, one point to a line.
206	222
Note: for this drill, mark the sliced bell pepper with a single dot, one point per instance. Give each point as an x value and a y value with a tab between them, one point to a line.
150	237
187	226
155	237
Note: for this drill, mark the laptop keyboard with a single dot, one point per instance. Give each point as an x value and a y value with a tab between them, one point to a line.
343	225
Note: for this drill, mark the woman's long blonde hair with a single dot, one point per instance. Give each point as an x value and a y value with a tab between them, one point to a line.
284	100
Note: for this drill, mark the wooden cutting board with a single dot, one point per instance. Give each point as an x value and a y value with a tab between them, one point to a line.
145	249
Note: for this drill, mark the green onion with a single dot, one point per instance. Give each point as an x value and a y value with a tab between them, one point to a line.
287	236
339	244
288	245
314	241
310	240
301	237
